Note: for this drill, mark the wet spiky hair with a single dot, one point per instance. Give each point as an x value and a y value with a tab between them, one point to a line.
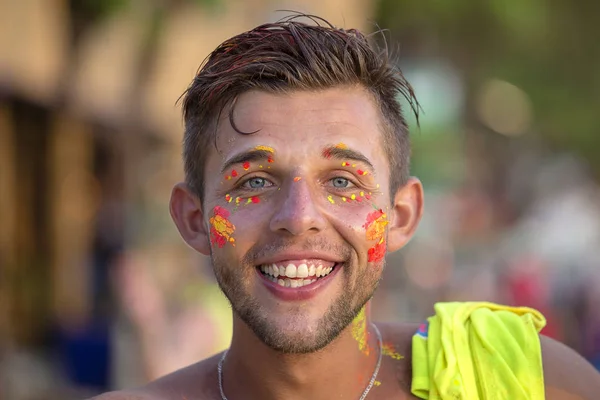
287	56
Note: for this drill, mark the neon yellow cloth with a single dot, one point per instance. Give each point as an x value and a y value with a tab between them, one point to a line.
479	351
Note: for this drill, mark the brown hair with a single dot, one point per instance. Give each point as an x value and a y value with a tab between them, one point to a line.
286	56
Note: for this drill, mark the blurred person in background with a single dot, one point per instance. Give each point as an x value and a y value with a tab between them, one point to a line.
296	157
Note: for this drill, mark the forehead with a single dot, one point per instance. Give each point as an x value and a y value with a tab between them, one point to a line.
301	123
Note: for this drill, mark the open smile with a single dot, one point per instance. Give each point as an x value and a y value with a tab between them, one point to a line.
297	279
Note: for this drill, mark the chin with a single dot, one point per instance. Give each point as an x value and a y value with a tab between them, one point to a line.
297	331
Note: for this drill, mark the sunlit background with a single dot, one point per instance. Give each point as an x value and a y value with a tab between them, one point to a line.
97	290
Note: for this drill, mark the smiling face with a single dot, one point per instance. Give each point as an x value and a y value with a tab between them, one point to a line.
296	216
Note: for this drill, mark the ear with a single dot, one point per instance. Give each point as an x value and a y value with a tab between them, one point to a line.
186	211
405	215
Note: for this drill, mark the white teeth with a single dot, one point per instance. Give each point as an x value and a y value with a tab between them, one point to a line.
302	271
319	270
273	272
291	271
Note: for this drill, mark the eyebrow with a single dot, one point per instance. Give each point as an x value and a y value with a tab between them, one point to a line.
250	155
338	153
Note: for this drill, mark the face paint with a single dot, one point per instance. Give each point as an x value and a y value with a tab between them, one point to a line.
375	230
377	252
341	146
265	148
234	173
330	198
375	225
246	166
221	230
228	198
390	351
359	331
297	178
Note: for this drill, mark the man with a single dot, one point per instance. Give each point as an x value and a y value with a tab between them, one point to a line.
297	183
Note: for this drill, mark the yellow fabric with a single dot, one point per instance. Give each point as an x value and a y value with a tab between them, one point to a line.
479	351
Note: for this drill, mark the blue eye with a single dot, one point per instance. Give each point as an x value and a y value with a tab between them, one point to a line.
341	183
256	183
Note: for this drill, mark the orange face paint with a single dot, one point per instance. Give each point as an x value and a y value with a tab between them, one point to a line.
375	226
390	351
297	178
341	146
221	229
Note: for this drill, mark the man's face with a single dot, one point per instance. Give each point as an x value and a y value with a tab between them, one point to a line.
297	212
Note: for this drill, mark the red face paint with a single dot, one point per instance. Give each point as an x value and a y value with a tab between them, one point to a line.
246	166
234	173
377	252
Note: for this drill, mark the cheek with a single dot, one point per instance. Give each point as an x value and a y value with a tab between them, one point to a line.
375	229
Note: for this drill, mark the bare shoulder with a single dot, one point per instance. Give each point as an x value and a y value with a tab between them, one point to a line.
197	381
567	375
397	341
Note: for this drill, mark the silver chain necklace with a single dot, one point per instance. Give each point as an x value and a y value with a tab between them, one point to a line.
365	393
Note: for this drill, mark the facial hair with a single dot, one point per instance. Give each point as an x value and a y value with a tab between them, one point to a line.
341	312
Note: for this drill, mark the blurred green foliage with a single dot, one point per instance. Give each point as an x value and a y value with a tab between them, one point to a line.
546	47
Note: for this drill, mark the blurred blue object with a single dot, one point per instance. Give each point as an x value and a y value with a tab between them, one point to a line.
85	355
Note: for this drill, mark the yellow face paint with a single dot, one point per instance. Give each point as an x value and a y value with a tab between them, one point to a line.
265	148
330	198
359	331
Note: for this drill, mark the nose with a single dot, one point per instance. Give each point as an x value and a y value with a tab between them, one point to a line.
296	212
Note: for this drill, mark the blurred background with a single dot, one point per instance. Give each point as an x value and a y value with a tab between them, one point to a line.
97	290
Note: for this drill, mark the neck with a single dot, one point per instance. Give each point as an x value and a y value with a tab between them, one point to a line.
254	371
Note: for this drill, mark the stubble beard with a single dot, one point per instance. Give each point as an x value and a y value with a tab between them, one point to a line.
338	316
